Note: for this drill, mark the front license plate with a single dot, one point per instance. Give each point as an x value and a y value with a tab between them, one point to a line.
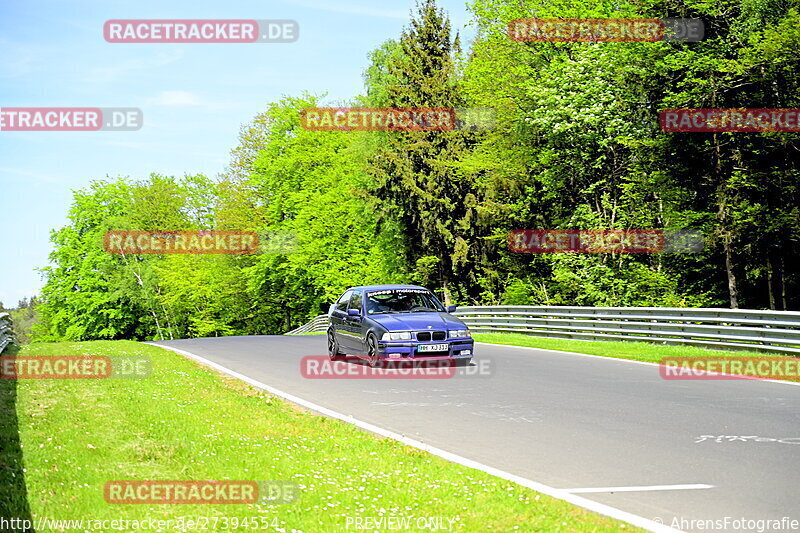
432	347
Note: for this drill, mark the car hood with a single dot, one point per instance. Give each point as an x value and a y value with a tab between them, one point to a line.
418	321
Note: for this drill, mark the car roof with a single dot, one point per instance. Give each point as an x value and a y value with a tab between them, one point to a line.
385	287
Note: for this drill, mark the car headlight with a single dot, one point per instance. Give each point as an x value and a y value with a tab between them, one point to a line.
396	336
459	333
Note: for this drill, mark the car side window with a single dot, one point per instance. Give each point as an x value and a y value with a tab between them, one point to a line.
341	304
355	301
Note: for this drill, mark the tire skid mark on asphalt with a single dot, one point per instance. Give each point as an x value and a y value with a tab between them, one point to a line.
641	488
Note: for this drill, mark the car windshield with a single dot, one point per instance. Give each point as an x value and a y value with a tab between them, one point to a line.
402	301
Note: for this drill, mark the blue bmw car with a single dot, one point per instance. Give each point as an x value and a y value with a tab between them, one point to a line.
396	323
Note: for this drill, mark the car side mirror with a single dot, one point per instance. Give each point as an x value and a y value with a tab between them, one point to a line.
324	308
451	308
353	312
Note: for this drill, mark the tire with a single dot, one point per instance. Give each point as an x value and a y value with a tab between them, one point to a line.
333	347
464	361
372	351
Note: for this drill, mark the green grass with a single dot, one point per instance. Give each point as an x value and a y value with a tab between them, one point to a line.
186	422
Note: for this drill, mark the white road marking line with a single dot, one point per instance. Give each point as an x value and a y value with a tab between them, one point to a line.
607	510
795	383
688	486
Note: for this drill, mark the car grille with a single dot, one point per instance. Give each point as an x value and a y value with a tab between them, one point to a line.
426	336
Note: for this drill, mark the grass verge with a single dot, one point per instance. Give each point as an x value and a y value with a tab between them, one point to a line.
186	422
638	351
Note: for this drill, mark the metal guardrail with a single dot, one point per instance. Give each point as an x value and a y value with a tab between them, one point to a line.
776	331
6	331
317	324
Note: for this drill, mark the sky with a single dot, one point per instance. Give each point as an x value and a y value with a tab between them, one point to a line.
194	97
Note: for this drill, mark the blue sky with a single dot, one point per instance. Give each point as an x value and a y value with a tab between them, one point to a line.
194	96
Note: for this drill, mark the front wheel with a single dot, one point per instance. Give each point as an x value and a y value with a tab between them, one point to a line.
333	347
372	350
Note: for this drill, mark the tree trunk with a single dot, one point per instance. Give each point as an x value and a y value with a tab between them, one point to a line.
446	292
770	283
287	318
782	282
158	324
722	218
731	276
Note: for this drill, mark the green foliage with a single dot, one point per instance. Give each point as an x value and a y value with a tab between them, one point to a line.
23	318
576	145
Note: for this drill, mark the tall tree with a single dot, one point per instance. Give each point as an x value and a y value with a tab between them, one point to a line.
417	184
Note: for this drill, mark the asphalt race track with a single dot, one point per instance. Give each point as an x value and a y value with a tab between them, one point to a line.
613	430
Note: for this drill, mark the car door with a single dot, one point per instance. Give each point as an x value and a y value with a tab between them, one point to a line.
356	324
338	315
